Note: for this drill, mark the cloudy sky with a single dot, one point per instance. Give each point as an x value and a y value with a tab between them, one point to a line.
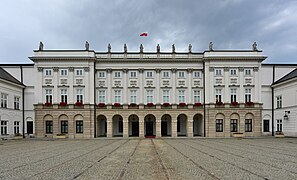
229	24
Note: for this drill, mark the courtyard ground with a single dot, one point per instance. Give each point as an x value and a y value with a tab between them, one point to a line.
180	158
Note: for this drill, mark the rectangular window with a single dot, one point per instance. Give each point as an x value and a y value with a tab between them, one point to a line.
16	102
165	96
233	125
218	95
233	95
166	74
279	125
149	96
16	127
79	126
247	72
278	101
248	95
218	72
120	126
197	96
233	72
266	125
48	72
79	72
133	74
48	127
64	127
133	96
117	96
3	127
181	74
101	96
101	74
149	74
63	72
248	125
4	98
181	96
219	125
117	74
196	74
64	95
49	96
79	95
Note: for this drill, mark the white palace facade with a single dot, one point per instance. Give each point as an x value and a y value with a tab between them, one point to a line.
87	94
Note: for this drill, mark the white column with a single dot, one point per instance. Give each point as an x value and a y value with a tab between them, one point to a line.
71	98
226	95
209	84
125	89
141	83
190	72
39	90
91	83
109	88
158	84
173	97
240	91
256	92
56	82
87	84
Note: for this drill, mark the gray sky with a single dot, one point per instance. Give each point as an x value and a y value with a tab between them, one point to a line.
229	24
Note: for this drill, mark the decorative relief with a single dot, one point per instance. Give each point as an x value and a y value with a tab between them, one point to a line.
133	83
125	70
181	83
117	83
226	68
196	83
233	80
165	83
141	70
101	83
255	69
158	70
71	69
109	70
211	69
48	81
79	81
40	69
190	70
240	69
63	81
248	81
219	81
174	70
86	69
149	83
55	69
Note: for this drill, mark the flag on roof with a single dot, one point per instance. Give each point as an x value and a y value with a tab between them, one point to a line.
144	34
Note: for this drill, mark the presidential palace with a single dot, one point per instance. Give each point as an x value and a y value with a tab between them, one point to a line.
90	94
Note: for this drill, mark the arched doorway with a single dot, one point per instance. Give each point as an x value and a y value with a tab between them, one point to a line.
133	125
101	126
166	125
198	125
117	126
150	125
182	125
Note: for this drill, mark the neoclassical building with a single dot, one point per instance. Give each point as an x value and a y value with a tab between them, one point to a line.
87	94
83	93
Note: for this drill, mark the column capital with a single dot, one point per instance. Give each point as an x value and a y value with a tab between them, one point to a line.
190	70
71	69
108	70
173	70
141	70
86	69
158	70
226	68
40	69
125	70
56	69
240	69
211	69
255	69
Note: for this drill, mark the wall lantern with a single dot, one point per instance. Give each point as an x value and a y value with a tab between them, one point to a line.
286	117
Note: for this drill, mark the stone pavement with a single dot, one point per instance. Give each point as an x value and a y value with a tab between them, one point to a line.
179	158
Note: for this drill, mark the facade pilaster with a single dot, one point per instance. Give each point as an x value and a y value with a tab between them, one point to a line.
39	92
173	98
256	91
87	83
109	87
226	96
56	98
125	89
141	84
71	98
190	73
109	127
240	91
158	84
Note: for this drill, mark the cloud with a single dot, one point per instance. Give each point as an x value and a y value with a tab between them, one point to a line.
229	24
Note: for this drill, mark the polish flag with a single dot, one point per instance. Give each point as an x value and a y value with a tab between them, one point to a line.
144	34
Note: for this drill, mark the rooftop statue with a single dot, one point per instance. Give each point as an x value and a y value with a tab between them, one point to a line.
109	48
87	45
125	47
158	48
211	46
173	48
40	46
190	48
254	46
141	48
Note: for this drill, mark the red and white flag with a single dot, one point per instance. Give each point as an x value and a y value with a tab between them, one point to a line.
144	34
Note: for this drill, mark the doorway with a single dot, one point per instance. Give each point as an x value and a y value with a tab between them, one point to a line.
29	127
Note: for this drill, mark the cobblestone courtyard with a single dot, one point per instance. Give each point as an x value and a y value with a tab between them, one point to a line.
149	159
